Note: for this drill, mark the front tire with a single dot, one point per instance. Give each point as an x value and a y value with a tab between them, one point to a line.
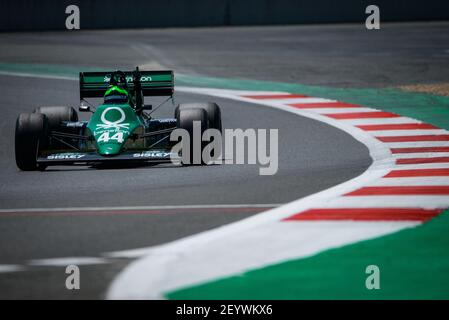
57	115
29	137
211	108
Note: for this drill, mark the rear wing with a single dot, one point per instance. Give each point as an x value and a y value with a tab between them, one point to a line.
153	83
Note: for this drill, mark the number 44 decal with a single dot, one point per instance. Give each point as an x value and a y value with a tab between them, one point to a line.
104	137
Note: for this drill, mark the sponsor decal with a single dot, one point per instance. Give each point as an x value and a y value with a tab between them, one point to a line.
107	78
164	120
113	124
77	124
152	154
64	156
145	79
112	130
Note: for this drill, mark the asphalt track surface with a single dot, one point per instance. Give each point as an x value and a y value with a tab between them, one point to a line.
312	155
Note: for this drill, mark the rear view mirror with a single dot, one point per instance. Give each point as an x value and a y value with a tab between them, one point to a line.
83	108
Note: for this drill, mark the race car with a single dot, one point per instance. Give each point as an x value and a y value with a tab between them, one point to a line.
120	130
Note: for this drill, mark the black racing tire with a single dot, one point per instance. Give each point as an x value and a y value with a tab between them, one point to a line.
30	136
56	115
212	109
184	120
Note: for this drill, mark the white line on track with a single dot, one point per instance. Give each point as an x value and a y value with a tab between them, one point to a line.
138	208
421	166
404	201
417	144
396	133
338	110
300	101
225	93
64	262
396	120
421	155
411	181
36	75
4	268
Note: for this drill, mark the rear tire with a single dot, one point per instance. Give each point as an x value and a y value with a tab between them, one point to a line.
184	120
31	130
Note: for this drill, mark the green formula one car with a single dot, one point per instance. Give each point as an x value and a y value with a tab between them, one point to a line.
120	130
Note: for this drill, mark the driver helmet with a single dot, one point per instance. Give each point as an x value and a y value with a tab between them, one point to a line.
116	94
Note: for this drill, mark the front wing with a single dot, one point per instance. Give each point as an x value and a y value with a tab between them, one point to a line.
88	158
